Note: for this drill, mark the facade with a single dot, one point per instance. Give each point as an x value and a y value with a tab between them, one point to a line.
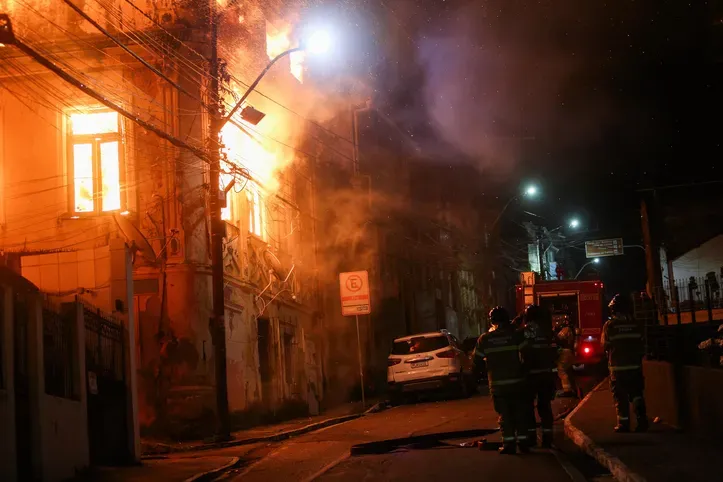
77	175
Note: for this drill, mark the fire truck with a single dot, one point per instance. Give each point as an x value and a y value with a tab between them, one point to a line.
580	302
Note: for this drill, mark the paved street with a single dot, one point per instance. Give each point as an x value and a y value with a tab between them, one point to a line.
325	455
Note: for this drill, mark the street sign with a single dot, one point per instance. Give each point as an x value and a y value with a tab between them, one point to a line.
600	248
354	290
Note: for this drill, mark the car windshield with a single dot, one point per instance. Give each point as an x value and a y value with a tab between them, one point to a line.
419	344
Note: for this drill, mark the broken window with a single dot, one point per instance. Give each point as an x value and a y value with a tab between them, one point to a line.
257	215
94	163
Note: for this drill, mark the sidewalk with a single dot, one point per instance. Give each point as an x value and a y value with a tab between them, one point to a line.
663	454
172	470
267	433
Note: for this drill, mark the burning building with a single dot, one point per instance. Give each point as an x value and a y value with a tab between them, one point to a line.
82	171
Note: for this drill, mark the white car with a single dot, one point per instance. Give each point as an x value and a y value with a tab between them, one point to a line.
427	361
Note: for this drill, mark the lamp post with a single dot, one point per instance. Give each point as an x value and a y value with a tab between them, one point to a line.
317	43
594	261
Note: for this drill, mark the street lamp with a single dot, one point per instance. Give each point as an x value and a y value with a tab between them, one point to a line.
530	191
594	261
319	42
574	223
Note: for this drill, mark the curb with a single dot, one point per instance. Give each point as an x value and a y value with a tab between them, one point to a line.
617	468
378	407
210	474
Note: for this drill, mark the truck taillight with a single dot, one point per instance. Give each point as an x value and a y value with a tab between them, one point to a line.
393	361
586	350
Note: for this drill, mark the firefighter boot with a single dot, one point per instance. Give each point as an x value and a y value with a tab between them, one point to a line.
508	449
623	425
642	425
546	440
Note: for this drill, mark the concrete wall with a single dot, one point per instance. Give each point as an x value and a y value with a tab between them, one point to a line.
7	391
701	260
700	408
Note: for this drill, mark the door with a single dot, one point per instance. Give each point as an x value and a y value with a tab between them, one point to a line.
106	385
264	348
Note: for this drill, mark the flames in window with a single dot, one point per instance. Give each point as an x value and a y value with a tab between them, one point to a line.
96	161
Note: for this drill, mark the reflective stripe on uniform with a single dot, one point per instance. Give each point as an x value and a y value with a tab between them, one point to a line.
499	349
510	381
479	354
522	437
547	430
508	439
542	345
623	418
541	370
623	368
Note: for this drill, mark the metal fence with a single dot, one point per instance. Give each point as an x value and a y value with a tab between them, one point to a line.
673	337
104	342
693	294
59	357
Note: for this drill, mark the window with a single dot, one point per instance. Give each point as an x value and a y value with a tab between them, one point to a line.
94	155
257	216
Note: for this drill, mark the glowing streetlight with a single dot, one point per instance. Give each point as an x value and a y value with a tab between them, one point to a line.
318	42
596	260
574	223
531	191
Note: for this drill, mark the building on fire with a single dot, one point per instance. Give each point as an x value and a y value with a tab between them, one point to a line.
97	207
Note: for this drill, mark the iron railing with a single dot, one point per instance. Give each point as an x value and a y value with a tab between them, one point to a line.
704	293
104	344
673	337
59	358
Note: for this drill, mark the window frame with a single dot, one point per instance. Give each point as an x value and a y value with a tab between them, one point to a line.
95	140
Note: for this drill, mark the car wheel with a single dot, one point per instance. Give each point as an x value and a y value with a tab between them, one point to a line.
396	399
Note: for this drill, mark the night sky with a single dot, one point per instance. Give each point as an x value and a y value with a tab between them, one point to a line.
594	100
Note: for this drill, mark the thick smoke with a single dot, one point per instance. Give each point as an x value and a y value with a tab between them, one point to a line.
499	75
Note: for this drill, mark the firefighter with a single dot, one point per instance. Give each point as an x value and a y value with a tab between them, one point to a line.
565	338
540	356
622	339
501	350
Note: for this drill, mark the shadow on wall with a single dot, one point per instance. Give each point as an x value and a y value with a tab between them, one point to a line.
166	364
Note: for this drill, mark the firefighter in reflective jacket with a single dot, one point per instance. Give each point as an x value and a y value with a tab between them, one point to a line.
540	354
622	339
507	379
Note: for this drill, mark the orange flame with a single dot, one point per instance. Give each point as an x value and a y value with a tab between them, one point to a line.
278	41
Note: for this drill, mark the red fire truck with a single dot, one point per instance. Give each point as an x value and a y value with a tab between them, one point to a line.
581	302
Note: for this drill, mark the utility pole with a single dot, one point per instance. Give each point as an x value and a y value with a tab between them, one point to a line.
541	255
216	201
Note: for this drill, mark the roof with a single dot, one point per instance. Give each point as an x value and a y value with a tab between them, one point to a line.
417	335
16	281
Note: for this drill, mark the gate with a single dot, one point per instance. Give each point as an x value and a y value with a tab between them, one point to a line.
106	383
23	429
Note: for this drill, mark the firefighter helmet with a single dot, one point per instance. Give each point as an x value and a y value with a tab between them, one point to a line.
620	304
499	316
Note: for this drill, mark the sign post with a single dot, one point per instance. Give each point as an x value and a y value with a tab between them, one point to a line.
601	248
355	301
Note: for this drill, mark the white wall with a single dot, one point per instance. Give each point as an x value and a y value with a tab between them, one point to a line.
66	273
701	260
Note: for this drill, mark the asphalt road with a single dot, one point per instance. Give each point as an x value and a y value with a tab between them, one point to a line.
352	450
